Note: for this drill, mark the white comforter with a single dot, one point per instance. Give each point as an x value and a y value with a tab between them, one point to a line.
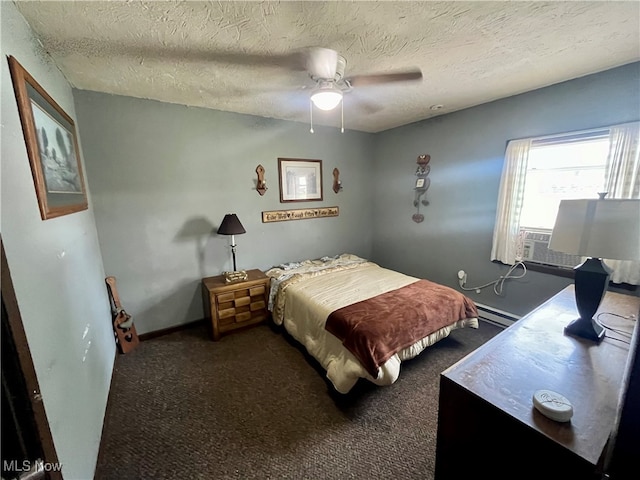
303	296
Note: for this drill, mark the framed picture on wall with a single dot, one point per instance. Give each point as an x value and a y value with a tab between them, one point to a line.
52	146
300	180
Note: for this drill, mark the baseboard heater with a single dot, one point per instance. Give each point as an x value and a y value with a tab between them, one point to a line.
495	316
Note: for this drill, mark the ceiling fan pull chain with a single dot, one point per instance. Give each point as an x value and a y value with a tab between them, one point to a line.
342	115
311	115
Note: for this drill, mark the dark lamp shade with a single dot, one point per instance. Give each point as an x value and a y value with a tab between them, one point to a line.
231	225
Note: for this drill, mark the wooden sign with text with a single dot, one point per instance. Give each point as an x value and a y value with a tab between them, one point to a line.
299	214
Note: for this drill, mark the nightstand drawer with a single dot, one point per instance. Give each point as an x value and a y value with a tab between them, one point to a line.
227	312
260	305
225	297
239	302
254	291
226	322
243	317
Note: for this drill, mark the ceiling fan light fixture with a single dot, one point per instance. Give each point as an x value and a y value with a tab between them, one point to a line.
326	97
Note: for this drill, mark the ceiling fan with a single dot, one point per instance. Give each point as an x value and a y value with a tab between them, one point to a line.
326	67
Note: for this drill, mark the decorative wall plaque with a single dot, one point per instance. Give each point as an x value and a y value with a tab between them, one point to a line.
337	184
299	214
422	184
261	184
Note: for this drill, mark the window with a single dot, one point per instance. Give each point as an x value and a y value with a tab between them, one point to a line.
539	172
559	170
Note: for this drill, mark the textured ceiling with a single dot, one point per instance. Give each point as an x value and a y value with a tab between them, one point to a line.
234	56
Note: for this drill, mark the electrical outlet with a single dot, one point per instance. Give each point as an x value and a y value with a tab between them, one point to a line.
462	277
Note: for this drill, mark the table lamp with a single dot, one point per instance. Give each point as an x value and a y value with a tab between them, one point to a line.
596	229
231	226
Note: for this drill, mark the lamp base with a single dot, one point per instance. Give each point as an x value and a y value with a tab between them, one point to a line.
591	282
233	252
585	328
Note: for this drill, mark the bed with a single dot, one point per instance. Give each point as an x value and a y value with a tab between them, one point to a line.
359	320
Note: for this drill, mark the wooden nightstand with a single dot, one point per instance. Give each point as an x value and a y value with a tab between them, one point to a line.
230	306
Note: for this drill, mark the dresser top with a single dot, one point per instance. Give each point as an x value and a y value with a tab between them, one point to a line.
219	280
535	354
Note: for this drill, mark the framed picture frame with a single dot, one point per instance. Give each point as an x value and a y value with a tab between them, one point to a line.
52	146
420	183
300	180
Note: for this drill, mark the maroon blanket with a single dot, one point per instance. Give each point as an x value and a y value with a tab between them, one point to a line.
376	329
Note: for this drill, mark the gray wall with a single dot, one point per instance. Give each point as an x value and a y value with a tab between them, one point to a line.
467	153
57	273
163	176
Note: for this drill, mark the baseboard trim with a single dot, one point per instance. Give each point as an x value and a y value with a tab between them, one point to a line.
166	331
496	316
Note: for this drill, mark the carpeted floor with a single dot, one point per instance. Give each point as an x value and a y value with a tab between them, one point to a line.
254	405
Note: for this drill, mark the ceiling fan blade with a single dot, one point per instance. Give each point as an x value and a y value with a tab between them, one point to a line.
295	60
322	63
363	80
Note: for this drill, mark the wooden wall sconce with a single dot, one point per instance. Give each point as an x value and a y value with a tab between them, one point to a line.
422	184
261	186
337	184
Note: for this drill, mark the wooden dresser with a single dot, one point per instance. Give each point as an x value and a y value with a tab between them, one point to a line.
487	425
229	306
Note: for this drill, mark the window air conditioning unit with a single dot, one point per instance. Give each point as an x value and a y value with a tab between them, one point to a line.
535	248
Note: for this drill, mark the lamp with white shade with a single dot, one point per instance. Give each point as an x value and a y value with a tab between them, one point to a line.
603	228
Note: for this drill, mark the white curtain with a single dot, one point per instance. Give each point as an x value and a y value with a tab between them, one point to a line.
623	181
510	196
